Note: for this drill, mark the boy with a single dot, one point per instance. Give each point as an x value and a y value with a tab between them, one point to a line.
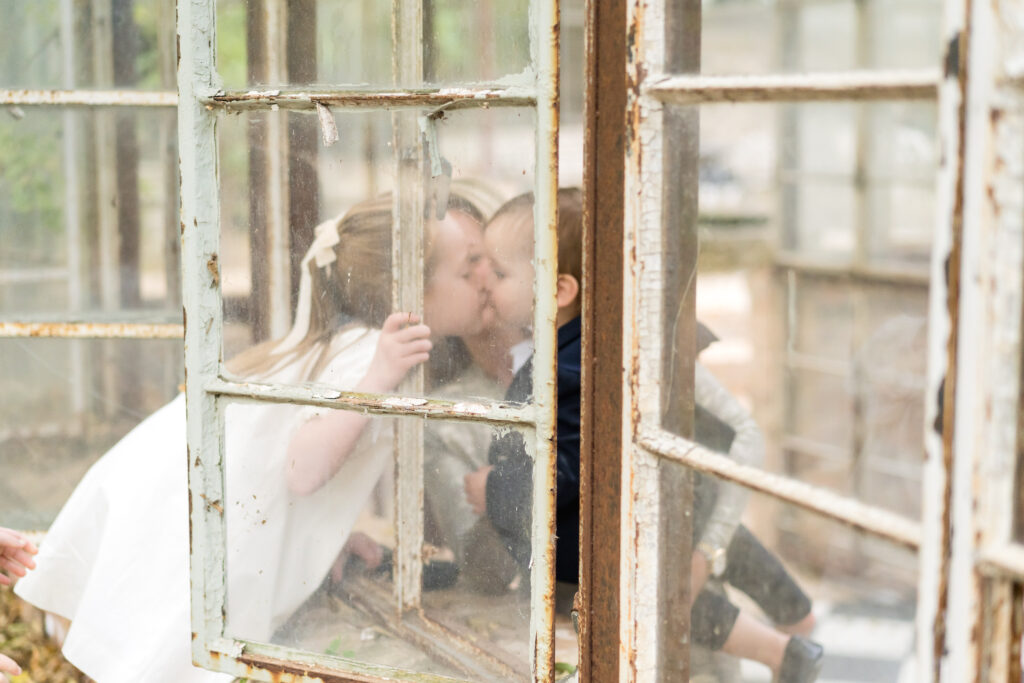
502	490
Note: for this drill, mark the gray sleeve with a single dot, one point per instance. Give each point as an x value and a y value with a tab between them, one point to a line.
747	449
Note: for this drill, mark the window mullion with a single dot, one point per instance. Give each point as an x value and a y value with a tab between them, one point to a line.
200	221
407	266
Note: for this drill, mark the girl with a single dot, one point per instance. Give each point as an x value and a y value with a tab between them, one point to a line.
115	561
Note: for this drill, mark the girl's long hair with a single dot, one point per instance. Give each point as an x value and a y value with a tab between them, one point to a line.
353	290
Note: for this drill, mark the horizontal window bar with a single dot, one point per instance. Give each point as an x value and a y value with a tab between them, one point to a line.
796	360
445	98
1003	562
327	668
887	525
23	275
906	274
920	84
89	98
378	404
72	330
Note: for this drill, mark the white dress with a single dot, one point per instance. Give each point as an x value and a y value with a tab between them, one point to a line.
115	561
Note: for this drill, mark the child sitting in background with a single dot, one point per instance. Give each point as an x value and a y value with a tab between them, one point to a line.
503	488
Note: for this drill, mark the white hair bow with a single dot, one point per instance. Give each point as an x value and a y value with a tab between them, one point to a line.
321	251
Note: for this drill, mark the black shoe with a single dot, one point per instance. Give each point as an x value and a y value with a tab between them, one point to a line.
801	662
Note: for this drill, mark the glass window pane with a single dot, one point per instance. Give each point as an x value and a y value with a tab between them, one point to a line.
486	157
329	589
786	569
806	36
60	44
352	42
821	343
66	402
89	213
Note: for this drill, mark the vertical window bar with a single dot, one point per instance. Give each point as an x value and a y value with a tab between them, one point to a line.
72	152
407	264
642	343
943	313
677	323
200	212
544	48
988	339
277	259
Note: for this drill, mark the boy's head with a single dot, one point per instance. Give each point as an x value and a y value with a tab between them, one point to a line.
509	241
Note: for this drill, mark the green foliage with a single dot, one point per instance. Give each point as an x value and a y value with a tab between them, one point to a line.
231	46
31	181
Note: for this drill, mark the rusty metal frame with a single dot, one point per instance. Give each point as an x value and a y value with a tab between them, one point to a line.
601	438
407	273
971	613
209	389
980	609
447	98
847	85
88	98
871	519
91	330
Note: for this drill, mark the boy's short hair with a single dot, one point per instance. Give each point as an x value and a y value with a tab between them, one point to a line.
569	231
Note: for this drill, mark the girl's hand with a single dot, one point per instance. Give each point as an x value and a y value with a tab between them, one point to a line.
404	343
8	666
16	553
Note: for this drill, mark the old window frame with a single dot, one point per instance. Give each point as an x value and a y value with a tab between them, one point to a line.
967	627
208	388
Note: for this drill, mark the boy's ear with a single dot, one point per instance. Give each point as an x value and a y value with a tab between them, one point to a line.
567	288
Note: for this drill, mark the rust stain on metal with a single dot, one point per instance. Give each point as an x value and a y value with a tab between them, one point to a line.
215	504
211	266
77	330
88	98
433	99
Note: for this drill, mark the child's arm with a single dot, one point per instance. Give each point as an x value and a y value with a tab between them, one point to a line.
747	448
16	553
320	447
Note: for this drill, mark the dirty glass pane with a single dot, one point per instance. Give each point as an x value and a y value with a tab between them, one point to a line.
786	571
477	292
89	214
66	402
63	44
748	37
488	603
350	43
328	587
811	291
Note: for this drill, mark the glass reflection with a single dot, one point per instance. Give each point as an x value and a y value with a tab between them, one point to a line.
352	43
756	38
856	594
65	402
117	44
812	272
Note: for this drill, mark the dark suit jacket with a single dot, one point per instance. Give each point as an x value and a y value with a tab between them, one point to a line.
510	483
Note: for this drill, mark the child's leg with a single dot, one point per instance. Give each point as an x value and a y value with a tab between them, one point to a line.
756	571
717	624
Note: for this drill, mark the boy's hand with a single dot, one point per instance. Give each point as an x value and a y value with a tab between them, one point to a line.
475	485
8	666
16	553
403	344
